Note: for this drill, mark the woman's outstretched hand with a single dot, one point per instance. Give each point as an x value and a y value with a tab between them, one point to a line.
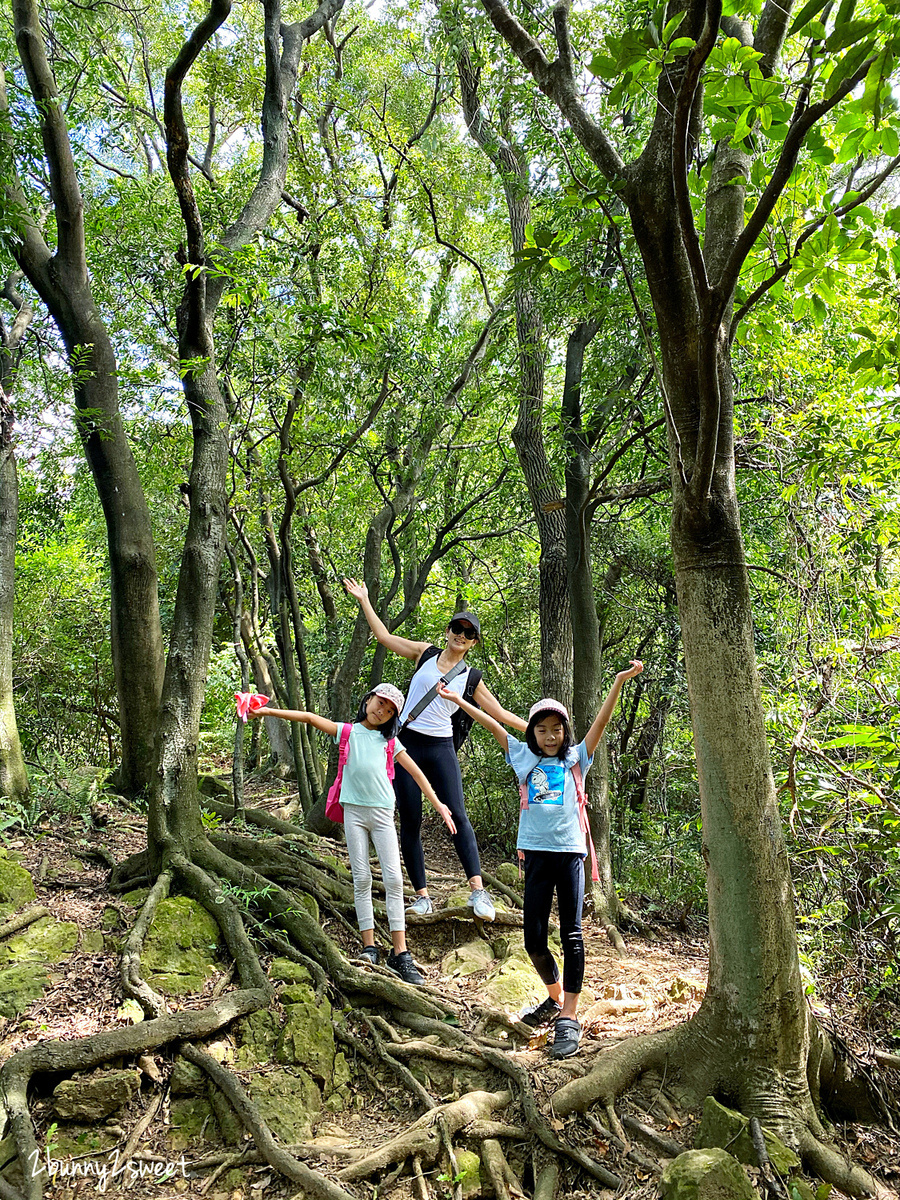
357	590
446	816
635	669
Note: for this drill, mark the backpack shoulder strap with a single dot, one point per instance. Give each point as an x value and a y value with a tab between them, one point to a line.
428	653
344	745
472	681
578	780
391	746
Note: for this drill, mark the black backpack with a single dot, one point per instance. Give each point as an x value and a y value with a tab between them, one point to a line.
461	721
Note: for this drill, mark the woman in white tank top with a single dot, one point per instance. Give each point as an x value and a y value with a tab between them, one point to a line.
428	739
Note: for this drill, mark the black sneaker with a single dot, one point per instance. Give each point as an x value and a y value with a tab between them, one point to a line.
371	954
402	964
541	1014
566	1038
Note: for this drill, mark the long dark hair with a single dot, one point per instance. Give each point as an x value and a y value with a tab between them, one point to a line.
531	741
389	728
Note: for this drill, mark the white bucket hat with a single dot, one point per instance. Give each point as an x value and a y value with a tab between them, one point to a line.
547	705
387	691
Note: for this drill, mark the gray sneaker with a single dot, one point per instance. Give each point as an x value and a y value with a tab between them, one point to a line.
482	905
566	1038
421	906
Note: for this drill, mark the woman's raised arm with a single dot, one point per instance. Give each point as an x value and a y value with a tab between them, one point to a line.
397	645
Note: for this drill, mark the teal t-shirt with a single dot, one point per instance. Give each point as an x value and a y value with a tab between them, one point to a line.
365	780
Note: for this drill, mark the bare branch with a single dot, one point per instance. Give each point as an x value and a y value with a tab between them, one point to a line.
64	189
555	82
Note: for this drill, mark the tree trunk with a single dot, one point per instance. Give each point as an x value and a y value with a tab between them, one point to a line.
587	670
512	168
61	279
13	774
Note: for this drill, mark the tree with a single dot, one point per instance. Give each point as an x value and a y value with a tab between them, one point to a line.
13	773
727	127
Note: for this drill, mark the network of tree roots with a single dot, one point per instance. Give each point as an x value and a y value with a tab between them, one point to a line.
605	1121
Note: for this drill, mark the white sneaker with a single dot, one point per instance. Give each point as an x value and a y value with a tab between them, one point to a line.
421	906
481	904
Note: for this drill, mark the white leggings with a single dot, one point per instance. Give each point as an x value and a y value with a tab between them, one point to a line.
360	824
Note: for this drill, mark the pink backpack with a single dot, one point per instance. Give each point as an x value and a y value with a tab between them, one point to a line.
334	810
583	821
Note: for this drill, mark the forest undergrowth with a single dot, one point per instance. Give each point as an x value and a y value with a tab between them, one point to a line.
523	1145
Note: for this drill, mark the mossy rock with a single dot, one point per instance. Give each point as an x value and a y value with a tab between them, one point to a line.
192	1120
72	1140
307	1036
468	959
20	986
92	1097
509	874
288	1101
710	1174
187	1079
136	897
92	941
111	919
46	941
183	947
512	987
16	886
468	1166
721	1126
284	970
258	1033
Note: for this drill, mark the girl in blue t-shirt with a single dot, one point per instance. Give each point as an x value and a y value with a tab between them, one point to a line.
367	798
552	841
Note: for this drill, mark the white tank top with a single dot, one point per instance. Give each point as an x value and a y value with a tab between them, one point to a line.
435	720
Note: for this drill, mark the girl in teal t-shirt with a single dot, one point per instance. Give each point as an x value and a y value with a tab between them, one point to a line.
367	798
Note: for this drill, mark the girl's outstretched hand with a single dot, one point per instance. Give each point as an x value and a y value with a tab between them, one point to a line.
635	669
447	694
249	704
357	590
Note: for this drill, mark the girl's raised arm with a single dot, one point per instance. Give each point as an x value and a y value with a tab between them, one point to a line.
294	714
481	717
595	733
495	709
397	645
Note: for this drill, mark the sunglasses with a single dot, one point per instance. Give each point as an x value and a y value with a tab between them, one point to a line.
466	630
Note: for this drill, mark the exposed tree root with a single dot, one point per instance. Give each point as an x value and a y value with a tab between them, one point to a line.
83	1054
22	920
423	1139
134	987
547	1182
498	1170
313	1182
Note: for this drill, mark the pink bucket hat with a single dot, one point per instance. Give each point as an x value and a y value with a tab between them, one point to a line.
547	705
387	691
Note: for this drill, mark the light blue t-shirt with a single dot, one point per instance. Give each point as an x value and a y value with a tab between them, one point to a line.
365	780
550	820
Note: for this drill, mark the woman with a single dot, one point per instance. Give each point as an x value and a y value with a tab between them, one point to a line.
428	739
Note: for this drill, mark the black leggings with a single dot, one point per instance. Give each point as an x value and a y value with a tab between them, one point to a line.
437	760
546	871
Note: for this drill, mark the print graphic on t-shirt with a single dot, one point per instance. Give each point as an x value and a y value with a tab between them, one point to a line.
546	784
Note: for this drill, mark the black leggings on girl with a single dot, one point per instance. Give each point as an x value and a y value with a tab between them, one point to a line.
437	760
546	870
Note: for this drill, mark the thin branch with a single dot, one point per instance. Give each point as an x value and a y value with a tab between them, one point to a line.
787	160
684	105
867	191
